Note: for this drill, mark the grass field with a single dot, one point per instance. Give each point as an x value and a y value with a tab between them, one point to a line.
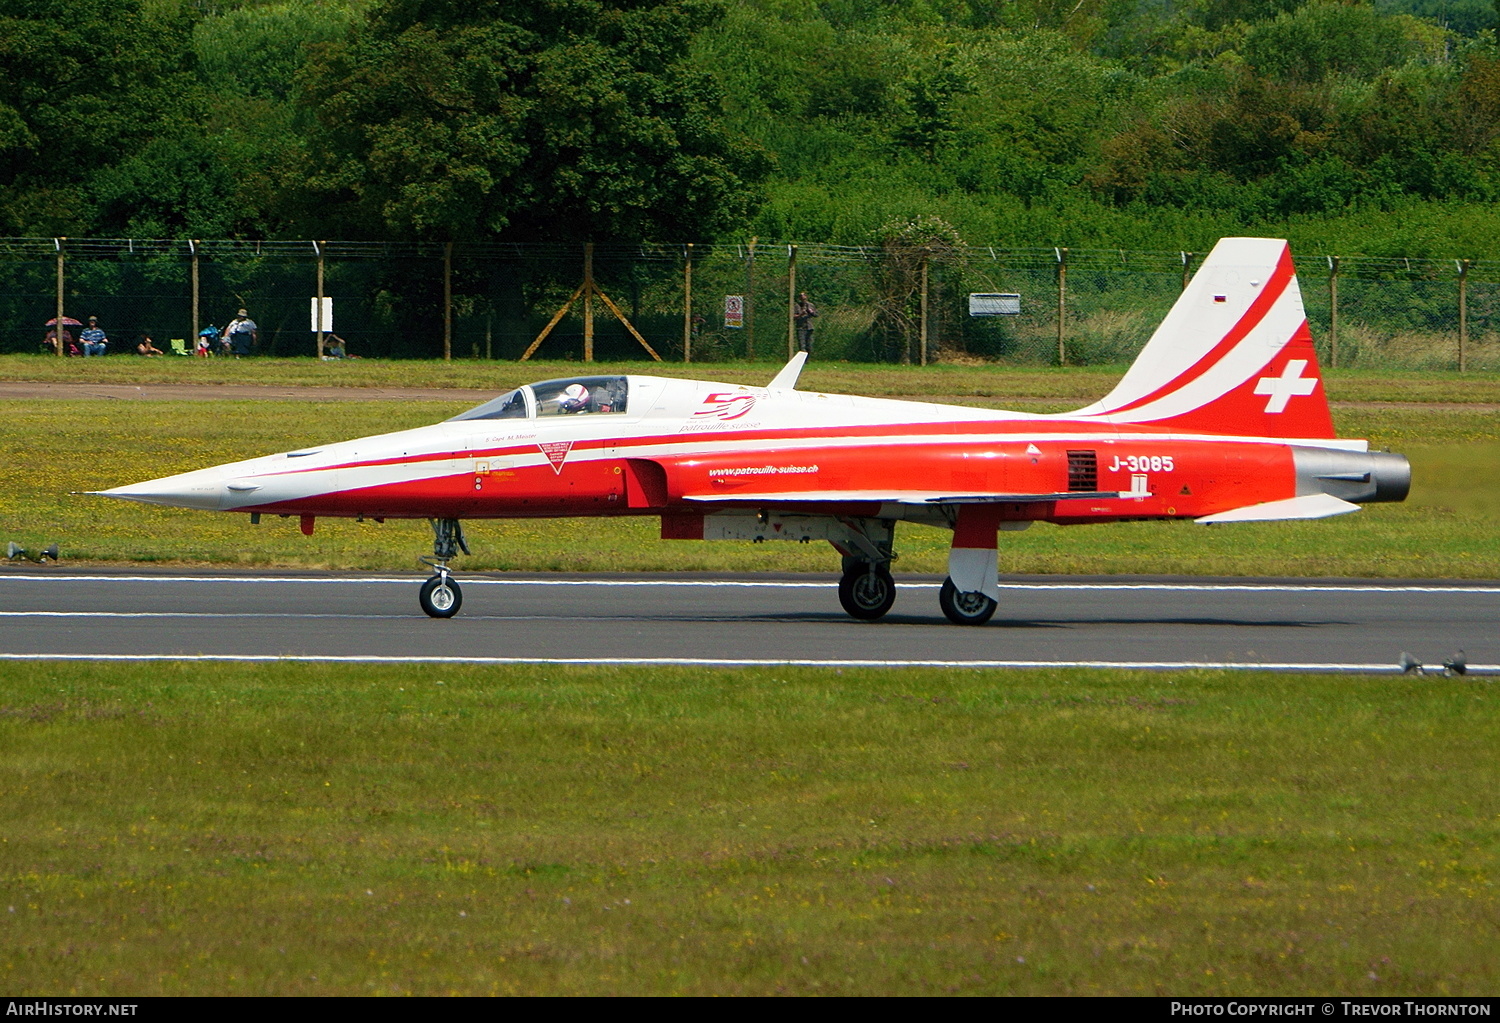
971	383
1446	529
293	829
178	828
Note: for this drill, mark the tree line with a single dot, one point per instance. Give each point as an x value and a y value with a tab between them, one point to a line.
1150	124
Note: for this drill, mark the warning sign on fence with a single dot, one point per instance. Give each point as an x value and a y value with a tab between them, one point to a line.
734	311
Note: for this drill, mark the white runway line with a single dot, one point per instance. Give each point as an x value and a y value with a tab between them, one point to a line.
1372	587
752	662
195	614
413	616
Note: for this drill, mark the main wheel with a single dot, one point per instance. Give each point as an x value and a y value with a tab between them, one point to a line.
867	595
964	608
441	597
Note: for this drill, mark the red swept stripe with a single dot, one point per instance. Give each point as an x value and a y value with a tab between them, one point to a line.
1275	287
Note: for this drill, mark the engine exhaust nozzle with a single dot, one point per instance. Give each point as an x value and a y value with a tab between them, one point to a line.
1364	477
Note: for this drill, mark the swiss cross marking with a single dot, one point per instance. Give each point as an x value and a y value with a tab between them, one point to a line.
1283	388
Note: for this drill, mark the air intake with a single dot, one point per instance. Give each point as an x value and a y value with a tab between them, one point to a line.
1083	472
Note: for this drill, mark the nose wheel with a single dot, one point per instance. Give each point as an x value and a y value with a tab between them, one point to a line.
440	596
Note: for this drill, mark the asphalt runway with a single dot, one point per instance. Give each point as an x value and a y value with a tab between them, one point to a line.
59	613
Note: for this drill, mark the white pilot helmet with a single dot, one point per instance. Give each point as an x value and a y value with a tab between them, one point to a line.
573	397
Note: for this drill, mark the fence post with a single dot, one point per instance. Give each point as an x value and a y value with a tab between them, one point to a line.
750	302
687	305
791	301
1463	316
1187	269
447	301
588	301
922	334
57	327
1333	312
1062	304
318	248
193	251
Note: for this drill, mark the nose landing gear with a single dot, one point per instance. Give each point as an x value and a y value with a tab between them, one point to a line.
440	596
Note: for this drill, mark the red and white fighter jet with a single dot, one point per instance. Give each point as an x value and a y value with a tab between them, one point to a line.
1222	418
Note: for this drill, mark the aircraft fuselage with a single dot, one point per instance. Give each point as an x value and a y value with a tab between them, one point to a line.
1221	418
827	454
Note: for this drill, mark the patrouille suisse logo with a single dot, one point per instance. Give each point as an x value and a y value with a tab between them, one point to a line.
725	406
557	453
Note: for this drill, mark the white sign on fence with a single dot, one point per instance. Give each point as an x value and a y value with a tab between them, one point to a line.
994	304
312	306
734	311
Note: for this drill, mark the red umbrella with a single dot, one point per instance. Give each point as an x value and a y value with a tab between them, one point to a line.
68	321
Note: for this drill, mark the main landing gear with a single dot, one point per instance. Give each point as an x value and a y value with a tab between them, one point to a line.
964	608
440	596
866	589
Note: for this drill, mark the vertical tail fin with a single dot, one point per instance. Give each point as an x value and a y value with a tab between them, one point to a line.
1233	356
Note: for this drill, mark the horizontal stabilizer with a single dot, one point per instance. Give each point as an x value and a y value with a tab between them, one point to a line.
901	497
1309	506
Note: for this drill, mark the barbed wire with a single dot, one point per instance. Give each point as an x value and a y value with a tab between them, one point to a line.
1310	266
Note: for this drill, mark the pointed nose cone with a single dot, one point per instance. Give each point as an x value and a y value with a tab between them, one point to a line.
202	488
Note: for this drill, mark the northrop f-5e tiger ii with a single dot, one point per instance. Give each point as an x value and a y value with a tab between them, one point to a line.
1222	418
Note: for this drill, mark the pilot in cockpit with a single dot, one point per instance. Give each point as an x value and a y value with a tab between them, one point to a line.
574	398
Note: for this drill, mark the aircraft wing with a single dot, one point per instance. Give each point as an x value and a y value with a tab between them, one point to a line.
922	497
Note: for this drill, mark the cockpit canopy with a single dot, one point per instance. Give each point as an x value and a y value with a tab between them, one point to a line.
570	397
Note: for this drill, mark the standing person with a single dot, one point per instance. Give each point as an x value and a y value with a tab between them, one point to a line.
93	338
803	313
242	333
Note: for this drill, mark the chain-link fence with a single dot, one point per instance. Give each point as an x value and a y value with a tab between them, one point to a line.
495	300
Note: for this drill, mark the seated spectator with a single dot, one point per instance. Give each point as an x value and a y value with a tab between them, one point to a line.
333	347
49	343
94	339
146	347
